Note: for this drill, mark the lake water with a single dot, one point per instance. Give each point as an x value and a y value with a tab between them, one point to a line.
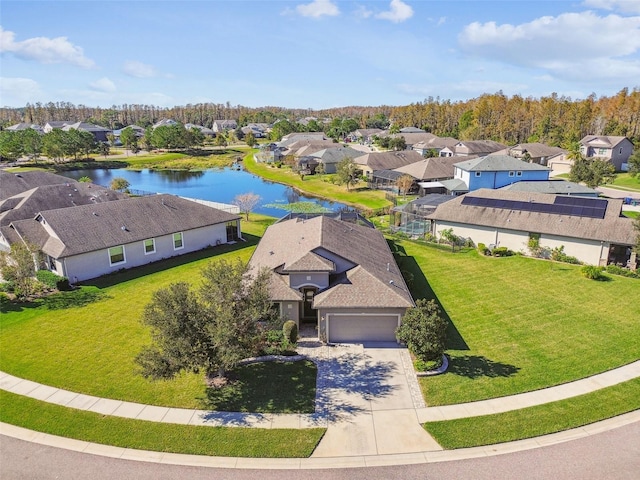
216	185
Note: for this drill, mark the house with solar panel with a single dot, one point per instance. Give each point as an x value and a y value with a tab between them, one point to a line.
591	229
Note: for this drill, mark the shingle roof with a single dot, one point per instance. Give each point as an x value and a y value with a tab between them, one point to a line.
335	154
607	141
479	147
430	168
89	228
612	228
311	262
13	183
388	160
555	187
361	248
498	163
536	149
49	197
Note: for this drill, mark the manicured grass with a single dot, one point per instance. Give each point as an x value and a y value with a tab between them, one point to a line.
90	345
269	387
624	181
161	437
536	421
631	214
315	185
521	324
194	160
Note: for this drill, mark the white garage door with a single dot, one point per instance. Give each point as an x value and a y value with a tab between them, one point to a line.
362	328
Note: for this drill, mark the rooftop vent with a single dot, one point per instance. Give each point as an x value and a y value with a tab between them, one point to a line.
124	228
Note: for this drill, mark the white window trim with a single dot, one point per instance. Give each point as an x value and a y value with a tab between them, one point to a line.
478	174
512	173
173	239
518	174
124	256
144	246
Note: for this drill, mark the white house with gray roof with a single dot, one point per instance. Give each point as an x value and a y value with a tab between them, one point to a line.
88	241
337	275
614	149
590	229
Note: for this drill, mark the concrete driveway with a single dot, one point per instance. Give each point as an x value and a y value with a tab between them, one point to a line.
368	395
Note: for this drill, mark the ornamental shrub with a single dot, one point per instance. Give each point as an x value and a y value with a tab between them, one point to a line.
424	330
52	280
501	252
625	272
290	331
592	272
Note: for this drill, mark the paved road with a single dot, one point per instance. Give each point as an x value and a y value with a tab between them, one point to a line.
612	455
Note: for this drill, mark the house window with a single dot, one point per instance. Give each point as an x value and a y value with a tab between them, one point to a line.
518	174
602	151
177	241
511	174
232	231
149	246
116	255
620	151
478	174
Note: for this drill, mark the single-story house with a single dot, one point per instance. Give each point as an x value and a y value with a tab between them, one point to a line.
553	187
435	144
615	149
590	229
88	241
25	126
330	157
219	126
534	152
472	147
337	275
371	162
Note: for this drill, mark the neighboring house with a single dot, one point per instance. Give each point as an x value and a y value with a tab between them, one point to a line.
292	138
224	125
590	229
24	126
616	150
429	172
374	161
337	275
259	130
436	144
533	152
139	132
165	122
364	135
472	147
411	130
553	187
207	132
495	171
28	203
14	183
88	241
330	157
99	133
413	138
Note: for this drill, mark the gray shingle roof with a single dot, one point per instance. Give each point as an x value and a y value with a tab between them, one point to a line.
89	228
606	141
388	160
498	163
363	249
311	262
612	228
555	187
430	168
13	183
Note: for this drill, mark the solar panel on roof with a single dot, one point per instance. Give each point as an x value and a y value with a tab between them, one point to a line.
570	206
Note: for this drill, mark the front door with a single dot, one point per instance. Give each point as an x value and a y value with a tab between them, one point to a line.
308	313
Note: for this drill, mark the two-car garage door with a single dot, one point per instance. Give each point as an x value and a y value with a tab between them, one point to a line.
362	328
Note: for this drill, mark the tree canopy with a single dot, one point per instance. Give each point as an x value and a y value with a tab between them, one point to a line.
424	330
592	171
246	202
210	328
348	172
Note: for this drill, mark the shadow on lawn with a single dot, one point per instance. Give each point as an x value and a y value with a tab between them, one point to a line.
58	301
420	288
473	366
168	263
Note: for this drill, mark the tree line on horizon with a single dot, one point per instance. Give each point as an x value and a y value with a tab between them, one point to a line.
554	120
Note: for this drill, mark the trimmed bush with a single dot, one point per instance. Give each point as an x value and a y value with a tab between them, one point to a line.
482	249
290	331
625	272
52	280
4	299
592	272
501	252
558	255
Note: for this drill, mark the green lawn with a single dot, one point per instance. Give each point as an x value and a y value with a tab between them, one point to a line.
359	196
539	420
624	181
86	341
520	324
159	437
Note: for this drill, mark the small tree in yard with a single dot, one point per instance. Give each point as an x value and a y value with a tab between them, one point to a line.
120	184
448	236
404	184
347	172
210	329
246	202
424	330
18	266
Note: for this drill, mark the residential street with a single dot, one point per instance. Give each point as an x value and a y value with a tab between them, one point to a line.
613	455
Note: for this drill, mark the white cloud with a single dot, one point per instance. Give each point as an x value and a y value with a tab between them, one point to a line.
138	69
399	12
103	85
562	45
16	92
441	21
626	6
363	12
44	50
318	8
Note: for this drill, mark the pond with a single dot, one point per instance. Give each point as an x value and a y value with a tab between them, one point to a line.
216	185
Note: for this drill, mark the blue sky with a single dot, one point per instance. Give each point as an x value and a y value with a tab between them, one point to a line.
313	53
